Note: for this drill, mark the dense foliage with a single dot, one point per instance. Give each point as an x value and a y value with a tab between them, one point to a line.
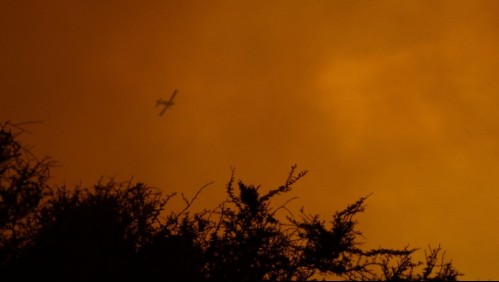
124	231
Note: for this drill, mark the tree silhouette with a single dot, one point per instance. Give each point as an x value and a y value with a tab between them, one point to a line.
23	180
248	242
117	230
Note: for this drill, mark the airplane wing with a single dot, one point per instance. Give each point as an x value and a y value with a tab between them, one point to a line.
173	96
164	110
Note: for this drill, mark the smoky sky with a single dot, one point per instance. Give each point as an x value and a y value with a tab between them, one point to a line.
394	98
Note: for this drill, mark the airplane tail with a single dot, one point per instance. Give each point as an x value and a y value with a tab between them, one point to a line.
158	102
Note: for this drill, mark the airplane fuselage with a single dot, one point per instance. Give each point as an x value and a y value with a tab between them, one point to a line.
165	103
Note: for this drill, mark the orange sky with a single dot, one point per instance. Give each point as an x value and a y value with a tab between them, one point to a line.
397	98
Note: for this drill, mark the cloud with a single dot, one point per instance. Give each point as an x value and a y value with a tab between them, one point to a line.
396	98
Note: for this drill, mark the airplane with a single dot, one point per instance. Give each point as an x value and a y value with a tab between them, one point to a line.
165	103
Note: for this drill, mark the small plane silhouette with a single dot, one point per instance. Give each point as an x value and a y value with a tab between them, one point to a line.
165	103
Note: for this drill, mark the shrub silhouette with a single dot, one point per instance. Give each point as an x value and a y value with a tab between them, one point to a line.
119	230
